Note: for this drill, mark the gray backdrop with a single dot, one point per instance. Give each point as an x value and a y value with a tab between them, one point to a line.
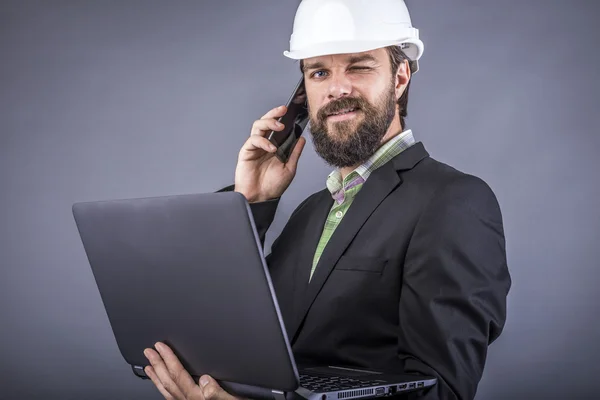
118	99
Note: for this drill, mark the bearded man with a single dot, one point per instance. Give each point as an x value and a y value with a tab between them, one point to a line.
399	264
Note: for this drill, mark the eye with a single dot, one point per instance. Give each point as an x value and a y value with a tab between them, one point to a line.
318	74
360	68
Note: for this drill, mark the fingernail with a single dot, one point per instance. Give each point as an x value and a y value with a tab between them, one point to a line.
273	148
147	353
278	123
204	381
158	346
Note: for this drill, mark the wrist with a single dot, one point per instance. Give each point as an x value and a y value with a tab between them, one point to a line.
250	197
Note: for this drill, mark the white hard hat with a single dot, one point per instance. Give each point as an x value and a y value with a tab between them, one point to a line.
323	27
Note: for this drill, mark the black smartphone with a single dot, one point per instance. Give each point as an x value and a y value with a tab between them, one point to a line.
295	120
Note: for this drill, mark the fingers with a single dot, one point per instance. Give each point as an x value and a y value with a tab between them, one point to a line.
275	112
163	374
173	381
181	377
169	376
260	129
259	142
269	122
154	378
263	126
212	390
292	163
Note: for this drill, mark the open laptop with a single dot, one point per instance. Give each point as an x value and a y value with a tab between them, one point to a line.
189	271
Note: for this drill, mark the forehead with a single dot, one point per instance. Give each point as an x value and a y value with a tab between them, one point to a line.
378	56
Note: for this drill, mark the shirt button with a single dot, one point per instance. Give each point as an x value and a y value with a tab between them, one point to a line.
339	214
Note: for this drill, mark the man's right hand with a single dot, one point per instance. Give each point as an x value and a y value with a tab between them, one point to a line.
259	175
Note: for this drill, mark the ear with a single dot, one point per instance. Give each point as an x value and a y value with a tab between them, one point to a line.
402	78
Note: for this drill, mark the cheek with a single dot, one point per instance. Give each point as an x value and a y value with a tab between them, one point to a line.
368	93
316	96
313	107
371	88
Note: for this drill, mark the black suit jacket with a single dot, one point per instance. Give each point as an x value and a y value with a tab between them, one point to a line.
414	279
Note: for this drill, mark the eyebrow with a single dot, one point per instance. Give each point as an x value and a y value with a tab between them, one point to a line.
315	65
351	60
364	57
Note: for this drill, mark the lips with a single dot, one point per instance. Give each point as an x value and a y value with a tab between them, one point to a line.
344	111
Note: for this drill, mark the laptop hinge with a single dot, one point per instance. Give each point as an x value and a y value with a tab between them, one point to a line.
278	395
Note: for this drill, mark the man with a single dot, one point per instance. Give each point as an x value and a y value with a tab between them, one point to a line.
399	264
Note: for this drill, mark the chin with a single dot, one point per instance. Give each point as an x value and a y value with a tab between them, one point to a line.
342	128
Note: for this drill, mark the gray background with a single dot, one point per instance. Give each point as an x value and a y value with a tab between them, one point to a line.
117	99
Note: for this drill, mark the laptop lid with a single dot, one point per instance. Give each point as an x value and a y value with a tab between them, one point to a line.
180	269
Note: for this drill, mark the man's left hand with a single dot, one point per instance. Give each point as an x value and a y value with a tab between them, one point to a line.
175	383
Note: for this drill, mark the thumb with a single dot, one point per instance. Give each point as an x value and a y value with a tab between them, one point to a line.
296	153
206	380
212	390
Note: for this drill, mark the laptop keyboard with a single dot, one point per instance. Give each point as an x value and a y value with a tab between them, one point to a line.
319	383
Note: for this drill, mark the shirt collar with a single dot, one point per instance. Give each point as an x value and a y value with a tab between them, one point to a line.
359	175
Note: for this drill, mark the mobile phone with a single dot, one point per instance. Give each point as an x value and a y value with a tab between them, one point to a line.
295	120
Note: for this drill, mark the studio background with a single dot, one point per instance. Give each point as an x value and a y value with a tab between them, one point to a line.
119	99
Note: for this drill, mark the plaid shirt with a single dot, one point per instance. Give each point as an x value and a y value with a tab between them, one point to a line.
343	193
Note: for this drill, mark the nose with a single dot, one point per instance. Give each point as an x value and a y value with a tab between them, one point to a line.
339	86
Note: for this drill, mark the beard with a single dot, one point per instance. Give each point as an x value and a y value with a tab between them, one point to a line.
350	143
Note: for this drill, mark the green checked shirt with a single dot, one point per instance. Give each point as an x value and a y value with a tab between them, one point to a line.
343	193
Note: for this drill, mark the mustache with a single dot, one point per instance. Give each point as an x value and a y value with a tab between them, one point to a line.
341	104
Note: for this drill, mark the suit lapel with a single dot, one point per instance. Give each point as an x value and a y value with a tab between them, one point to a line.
379	185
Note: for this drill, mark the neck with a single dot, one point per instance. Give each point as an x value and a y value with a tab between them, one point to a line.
394	130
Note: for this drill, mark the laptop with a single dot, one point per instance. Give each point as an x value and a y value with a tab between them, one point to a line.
189	270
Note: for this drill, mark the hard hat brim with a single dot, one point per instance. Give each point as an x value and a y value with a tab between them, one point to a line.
413	51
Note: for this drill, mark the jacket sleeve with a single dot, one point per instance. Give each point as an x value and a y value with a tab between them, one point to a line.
454	289
263	213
